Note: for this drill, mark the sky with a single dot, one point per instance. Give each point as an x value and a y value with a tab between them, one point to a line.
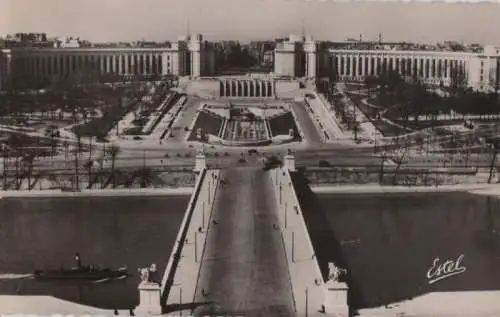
245	20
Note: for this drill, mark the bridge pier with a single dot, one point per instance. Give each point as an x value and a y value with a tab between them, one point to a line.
289	162
201	162
336	299
149	299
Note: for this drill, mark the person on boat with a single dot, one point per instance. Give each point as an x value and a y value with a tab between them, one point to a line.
78	260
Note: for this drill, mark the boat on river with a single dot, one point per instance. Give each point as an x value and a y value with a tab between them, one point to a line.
81	272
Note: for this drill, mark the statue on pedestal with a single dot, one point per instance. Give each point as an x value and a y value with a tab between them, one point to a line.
335	272
148	274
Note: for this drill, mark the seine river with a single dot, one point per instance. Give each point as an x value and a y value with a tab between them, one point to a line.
42	233
390	243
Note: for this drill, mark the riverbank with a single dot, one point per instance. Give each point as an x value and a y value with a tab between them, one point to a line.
442	304
48	305
485	189
100	192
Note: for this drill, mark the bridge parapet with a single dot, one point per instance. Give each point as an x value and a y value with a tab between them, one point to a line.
311	292
179	281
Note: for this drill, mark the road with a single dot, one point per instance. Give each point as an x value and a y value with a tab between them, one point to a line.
304	119
336	157
244	269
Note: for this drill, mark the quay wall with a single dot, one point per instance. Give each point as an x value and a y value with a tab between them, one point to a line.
99	192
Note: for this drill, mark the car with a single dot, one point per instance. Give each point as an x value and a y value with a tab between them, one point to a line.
323	163
252	151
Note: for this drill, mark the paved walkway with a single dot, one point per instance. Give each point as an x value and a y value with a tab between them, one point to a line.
48	305
311	134
479	189
244	269
182	293
442	304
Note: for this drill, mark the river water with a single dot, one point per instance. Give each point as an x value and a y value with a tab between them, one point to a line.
389	242
42	233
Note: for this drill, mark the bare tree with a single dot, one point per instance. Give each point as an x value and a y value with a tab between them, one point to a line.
355	128
27	166
399	158
492	162
77	153
16	157
383	157
458	77
66	147
5	159
113	150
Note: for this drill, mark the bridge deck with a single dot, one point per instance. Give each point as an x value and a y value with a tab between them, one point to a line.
244	270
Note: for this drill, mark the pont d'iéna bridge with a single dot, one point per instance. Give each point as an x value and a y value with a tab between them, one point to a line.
243	249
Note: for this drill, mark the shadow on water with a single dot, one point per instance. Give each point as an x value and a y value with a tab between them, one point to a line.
326	245
328	248
390	242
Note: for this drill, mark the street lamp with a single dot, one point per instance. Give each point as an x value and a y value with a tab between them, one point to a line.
203	216
285	213
280	193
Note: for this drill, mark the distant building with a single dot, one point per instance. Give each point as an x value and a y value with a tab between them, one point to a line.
479	71
355	60
444	64
67	42
289	57
268	58
189	56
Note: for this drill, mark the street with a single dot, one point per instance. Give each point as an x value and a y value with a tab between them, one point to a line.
244	269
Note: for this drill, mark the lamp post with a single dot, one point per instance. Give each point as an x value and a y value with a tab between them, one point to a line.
203	219
208	191
280	193
285	214
307	312
492	163
196	247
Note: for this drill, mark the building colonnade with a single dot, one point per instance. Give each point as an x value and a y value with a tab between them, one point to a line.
257	88
63	63
436	68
